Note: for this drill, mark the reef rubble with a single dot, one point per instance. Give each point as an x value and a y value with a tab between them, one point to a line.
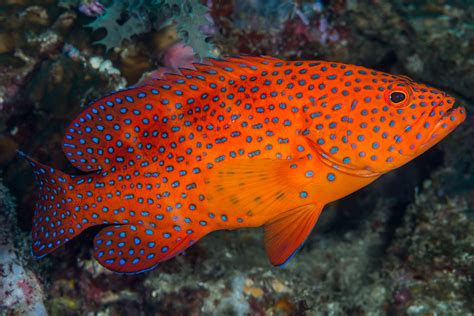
21	291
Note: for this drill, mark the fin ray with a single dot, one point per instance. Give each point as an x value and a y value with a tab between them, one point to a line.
285	235
258	189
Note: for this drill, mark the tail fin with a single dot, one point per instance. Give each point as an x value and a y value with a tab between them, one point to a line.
54	221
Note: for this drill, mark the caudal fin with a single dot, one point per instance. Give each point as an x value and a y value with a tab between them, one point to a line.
54	221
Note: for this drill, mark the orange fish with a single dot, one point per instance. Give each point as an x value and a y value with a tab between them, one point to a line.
241	142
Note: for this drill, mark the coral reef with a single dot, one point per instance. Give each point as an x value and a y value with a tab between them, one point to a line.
404	245
176	56
124	19
21	292
430	262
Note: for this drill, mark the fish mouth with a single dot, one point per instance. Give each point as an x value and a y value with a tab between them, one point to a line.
451	119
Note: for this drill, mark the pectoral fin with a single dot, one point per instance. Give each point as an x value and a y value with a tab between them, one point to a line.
270	192
285	235
258	189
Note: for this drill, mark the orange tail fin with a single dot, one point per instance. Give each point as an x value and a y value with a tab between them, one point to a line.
54	221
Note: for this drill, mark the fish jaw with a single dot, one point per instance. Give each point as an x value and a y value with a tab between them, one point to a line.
448	122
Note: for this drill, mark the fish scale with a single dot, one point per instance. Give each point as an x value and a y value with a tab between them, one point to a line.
238	142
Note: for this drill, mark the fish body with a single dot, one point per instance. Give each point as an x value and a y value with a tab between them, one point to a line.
239	142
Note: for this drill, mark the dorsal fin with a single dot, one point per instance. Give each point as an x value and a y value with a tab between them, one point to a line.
128	126
230	66
90	141
120	128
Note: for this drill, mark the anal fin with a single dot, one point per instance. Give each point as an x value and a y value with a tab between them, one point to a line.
132	249
286	233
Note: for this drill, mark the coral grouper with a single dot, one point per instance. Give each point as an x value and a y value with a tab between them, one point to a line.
239	142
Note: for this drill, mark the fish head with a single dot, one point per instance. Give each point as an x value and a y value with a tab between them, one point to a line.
378	122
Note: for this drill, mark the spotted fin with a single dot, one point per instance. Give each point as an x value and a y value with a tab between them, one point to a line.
247	61
124	124
285	234
55	219
228	66
132	249
96	138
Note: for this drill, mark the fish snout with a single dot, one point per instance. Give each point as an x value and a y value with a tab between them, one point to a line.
450	116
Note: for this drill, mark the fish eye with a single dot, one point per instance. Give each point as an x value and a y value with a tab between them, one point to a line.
397	97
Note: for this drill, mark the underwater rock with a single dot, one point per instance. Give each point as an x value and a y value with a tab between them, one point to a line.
25	48
7	43
36	16
134	62
13	73
164	38
281	28
8	148
431	260
445	37
427	40
20	290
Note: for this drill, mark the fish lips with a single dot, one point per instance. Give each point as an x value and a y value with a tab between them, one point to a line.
451	119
